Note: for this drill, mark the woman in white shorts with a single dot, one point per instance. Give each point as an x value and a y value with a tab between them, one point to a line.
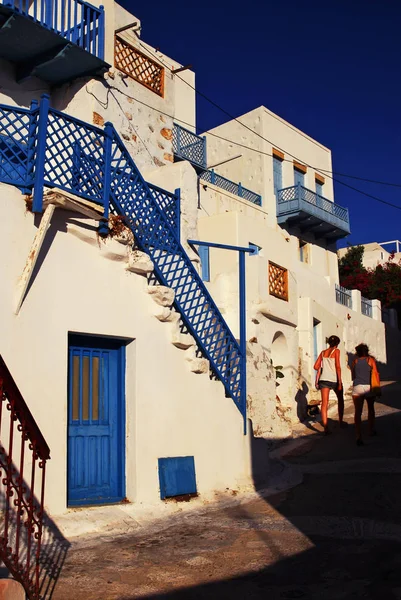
362	368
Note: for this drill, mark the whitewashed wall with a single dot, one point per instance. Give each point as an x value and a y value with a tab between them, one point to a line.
82	286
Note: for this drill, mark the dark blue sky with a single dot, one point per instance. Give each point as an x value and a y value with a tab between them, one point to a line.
331	68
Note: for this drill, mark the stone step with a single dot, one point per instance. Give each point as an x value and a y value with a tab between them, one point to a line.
139	262
179	339
162	295
196	365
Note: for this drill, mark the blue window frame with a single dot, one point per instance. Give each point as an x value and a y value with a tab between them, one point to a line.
316	331
299	177
277	174
303	251
319	188
204	255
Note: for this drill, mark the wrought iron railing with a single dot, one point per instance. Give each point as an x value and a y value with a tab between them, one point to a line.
137	65
76	21
23	457
94	164
343	296
298	197
234	188
366	307
189	146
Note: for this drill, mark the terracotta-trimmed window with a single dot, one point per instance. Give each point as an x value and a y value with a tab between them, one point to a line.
278	281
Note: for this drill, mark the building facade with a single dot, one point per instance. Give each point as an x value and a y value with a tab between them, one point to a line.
147	370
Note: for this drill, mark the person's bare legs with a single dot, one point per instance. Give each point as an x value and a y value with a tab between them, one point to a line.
371	415
358	404
340	399
325	404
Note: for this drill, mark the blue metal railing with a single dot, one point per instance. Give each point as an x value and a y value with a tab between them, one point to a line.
298	197
343	296
63	152
76	21
230	186
189	146
366	307
170	204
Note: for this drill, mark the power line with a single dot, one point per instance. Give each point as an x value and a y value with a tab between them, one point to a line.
213	103
111	87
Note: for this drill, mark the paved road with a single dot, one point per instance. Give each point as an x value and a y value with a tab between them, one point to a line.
337	535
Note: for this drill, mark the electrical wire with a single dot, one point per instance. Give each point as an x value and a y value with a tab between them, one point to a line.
213	103
111	87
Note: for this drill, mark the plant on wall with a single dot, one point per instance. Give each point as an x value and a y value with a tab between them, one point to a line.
278	371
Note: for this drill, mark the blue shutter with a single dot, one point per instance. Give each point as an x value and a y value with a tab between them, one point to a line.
299	177
177	476
205	262
277	174
319	188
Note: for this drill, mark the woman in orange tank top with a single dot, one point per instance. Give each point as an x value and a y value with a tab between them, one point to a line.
328	377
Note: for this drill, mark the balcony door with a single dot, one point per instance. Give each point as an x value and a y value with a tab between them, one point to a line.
299	177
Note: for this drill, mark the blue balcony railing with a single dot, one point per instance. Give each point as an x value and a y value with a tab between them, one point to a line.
343	296
366	307
53	40
76	21
234	188
312	212
189	146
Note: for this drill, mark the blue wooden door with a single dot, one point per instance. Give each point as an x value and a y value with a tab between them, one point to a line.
96	440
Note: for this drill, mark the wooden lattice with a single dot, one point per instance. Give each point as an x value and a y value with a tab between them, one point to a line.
278	281
137	65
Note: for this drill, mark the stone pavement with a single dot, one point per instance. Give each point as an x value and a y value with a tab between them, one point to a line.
336	535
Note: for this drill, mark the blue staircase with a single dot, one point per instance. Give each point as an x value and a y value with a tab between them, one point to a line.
43	147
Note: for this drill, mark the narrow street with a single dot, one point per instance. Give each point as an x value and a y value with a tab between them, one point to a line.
337	535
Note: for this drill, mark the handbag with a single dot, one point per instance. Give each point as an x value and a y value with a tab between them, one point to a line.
375	389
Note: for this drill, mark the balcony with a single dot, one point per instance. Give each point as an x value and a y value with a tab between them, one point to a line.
229	186
298	206
189	146
54	40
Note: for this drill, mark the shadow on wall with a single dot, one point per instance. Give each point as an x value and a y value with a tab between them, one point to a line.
14	529
317	541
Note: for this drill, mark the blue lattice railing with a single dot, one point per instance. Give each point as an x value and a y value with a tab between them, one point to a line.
298	197
230	186
76	21
170	204
55	150
189	146
343	296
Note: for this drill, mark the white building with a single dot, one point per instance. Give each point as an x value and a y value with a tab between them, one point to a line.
132	373
377	254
